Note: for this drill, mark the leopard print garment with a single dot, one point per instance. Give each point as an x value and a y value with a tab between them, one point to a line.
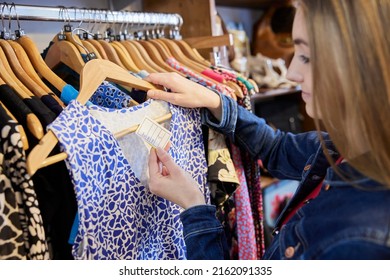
14	177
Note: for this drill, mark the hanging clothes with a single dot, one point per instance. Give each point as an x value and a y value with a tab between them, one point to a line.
119	217
109	96
246	236
22	234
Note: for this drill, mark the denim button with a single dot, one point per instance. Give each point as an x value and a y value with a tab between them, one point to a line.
289	252
327	187
307	167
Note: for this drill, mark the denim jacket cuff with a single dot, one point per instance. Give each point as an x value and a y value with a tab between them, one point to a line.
228	120
205	209
198	219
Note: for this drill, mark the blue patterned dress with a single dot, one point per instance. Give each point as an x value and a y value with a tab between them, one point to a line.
119	217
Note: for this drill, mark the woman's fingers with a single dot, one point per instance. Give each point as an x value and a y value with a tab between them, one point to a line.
168	80
166	160
154	167
162	95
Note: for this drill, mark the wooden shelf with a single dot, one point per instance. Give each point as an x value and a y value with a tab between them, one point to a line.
253	4
270	93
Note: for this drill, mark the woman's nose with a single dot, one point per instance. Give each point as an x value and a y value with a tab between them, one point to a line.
293	73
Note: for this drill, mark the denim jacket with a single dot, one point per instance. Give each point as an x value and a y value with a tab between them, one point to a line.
347	220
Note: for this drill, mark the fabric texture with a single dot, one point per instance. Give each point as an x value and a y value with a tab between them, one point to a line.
119	217
19	208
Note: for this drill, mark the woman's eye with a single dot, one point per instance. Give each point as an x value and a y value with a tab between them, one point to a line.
304	59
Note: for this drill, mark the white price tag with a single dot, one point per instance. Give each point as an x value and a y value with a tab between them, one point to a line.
153	133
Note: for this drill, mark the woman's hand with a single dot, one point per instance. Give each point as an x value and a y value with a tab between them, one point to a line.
168	180
184	92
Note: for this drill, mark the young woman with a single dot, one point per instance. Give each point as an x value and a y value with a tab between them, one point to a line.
341	210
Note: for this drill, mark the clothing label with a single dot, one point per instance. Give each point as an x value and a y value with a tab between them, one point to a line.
153	133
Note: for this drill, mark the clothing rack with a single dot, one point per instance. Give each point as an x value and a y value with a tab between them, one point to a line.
74	14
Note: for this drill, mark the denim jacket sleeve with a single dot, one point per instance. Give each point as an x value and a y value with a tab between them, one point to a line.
203	234
283	154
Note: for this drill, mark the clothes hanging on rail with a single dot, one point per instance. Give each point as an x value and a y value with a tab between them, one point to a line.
112	97
15	104
51	184
21	230
119	217
253	175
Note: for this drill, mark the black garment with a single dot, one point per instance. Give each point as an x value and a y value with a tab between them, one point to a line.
44	114
55	192
14	104
52	104
52	184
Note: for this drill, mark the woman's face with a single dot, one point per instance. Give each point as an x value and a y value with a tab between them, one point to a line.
299	70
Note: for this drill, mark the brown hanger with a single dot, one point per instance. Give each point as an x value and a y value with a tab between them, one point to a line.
134	53
64	52
125	57
180	56
98	47
92	75
75	40
144	54
33	123
30	71
10	78
26	64
194	66
157	57
91	48
39	64
111	53
20	72
84	46
192	53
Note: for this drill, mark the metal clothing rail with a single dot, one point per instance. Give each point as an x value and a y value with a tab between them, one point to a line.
73	14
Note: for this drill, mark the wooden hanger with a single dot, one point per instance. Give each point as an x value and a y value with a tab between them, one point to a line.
125	57
92	75
197	68
98	47
10	78
75	40
91	48
139	60
192	53
19	71
33	123
157	57
30	71
139	51
180	56
83	46
39	64
162	49
64	52
23	136
27	65
111	53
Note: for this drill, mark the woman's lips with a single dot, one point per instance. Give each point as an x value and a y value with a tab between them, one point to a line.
305	95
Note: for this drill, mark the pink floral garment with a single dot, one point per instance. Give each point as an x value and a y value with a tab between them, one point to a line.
247	249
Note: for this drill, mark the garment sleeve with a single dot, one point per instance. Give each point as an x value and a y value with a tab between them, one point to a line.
283	154
203	234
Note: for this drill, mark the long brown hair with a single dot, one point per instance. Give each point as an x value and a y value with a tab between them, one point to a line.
350	56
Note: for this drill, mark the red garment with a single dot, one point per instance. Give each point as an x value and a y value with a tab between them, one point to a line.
247	248
213	75
310	196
